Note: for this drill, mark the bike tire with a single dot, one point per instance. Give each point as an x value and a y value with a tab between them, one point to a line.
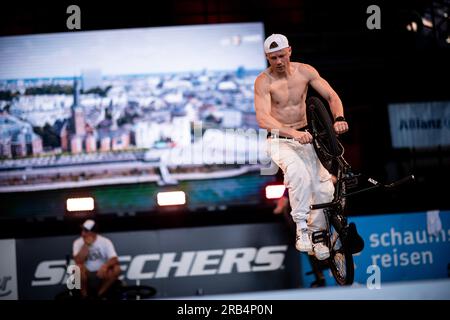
348	277
325	141
341	260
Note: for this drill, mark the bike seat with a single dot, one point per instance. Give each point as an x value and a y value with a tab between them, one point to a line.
353	240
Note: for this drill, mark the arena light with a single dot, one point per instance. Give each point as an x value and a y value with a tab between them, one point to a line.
427	23
80	204
275	191
412	26
171	198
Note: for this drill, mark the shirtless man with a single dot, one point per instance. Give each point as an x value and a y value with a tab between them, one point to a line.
280	94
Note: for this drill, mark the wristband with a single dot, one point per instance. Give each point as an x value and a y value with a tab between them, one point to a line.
340	118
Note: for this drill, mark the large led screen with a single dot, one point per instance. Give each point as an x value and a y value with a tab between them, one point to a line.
150	105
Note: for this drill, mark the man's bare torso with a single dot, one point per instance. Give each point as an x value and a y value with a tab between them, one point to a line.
288	96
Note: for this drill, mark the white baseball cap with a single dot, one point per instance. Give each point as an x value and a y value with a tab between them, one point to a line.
275	42
89	225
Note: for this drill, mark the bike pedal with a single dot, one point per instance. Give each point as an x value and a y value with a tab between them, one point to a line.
319	236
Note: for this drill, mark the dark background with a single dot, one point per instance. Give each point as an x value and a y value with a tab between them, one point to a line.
367	68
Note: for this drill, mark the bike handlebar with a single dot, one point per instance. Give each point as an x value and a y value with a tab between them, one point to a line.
401	181
378	185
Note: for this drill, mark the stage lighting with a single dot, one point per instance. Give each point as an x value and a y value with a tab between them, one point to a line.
427	23
80	204
412	27
275	191
171	198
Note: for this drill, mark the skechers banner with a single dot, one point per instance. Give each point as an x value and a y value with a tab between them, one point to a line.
176	262
418	125
8	277
405	247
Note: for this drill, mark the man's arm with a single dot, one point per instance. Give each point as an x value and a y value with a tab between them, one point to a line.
112	262
326	91
265	119
82	254
111	254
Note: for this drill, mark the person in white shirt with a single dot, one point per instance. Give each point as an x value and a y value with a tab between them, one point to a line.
96	256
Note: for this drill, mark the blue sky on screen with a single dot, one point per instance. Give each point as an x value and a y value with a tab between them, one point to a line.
133	51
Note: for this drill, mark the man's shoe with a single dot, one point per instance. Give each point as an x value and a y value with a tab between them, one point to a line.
303	242
321	251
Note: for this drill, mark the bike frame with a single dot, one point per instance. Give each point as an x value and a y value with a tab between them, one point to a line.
330	152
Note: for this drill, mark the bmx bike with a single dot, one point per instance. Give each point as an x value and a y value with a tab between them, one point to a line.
340	236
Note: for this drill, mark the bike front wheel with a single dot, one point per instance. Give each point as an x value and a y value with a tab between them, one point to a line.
325	140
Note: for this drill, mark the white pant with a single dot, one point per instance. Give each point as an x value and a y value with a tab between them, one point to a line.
308	182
